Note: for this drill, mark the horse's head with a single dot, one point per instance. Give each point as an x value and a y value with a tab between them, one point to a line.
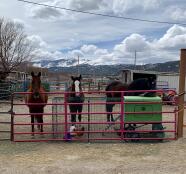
152	83
76	85
36	84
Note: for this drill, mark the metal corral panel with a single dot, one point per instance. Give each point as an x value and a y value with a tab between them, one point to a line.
173	81
133	106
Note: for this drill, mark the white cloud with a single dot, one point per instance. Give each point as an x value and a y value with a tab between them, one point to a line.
84	5
68	30
75	53
37	41
45	13
19	21
101	52
54	29
174	38
41	54
107	59
42	49
134	42
50	14
92	51
88	49
157	50
117	7
148	51
176	13
122	7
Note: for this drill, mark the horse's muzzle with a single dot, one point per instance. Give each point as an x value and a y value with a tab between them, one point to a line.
77	94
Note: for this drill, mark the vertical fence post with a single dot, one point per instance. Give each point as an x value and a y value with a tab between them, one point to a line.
175	124
181	92
88	120
66	116
12	118
122	116
53	120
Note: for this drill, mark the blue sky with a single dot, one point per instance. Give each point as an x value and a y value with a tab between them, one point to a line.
64	34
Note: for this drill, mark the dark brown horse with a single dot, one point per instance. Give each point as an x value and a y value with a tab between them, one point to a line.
76	96
38	98
138	84
113	96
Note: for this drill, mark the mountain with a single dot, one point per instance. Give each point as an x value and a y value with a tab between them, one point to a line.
55	63
70	66
172	66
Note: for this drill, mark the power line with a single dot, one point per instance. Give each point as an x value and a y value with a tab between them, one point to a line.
104	15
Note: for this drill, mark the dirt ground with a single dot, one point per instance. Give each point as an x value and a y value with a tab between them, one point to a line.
168	157
102	158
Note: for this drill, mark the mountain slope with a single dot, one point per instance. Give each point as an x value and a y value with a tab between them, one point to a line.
69	66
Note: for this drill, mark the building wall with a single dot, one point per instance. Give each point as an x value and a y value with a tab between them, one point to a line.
173	81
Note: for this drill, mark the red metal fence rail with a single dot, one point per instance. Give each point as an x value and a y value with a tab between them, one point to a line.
94	125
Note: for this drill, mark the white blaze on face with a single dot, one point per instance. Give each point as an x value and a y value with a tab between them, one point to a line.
77	89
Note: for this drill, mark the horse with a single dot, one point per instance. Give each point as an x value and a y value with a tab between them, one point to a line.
37	97
75	96
138	84
113	96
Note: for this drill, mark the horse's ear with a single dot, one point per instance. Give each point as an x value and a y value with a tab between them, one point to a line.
32	74
72	78
39	74
80	77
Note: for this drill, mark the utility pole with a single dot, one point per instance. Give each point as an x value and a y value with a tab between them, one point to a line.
78	65
135	59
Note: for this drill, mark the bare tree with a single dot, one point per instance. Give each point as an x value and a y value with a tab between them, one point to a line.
15	48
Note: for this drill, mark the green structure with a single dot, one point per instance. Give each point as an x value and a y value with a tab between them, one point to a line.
140	104
145	109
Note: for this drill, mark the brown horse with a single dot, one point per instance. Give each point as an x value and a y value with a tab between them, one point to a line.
38	98
76	96
138	84
113	96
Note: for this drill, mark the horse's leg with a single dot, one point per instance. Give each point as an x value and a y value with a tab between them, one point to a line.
41	120
32	121
73	111
109	108
108	114
42	123
38	121
111	115
80	108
